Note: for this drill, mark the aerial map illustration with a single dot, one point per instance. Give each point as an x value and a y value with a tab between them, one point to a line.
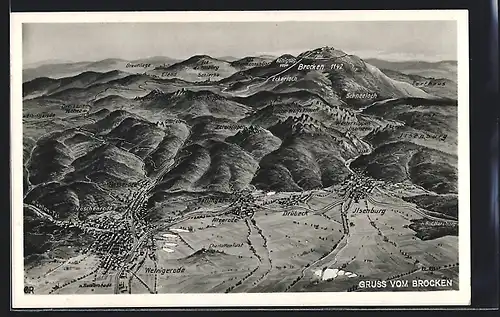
240	157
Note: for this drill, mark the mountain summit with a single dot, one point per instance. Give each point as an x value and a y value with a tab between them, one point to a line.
322	53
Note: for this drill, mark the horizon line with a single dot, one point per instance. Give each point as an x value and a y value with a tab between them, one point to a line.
180	59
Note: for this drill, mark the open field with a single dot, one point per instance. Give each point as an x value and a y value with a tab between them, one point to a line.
64	276
277	249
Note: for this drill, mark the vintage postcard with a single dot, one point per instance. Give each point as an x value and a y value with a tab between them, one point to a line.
193	159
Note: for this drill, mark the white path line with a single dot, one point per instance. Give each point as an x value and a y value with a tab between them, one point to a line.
289	67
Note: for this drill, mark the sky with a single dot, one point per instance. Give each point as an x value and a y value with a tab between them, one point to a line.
389	40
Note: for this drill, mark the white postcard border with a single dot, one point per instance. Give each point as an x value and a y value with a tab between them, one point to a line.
460	297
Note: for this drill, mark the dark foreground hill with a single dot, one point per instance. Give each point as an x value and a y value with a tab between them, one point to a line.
405	161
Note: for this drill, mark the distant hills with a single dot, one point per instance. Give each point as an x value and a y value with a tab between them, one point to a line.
44	85
58	70
197	68
442	87
442	69
228	58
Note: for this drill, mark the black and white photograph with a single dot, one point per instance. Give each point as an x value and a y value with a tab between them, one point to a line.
307	159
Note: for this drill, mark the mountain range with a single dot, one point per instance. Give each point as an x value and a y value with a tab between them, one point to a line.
245	128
